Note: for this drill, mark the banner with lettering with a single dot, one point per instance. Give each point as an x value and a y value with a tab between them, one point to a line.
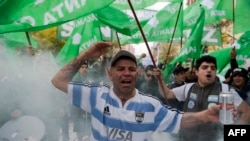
215	10
84	34
192	49
161	26
242	47
30	15
114	18
211	34
118	20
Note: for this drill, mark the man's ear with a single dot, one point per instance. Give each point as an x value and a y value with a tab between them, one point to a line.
109	73
196	71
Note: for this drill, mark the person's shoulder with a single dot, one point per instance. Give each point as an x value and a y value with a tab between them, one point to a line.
171	85
148	98
185	85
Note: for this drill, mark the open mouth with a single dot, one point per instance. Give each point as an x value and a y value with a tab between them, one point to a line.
208	75
126	82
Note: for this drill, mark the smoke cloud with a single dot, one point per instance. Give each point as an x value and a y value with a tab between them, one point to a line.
25	85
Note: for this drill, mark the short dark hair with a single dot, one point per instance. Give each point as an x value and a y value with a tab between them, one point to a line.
205	58
179	69
149	68
240	72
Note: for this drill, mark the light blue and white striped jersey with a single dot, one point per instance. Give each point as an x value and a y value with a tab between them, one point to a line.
135	121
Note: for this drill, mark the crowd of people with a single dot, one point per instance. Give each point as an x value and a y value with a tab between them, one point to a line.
119	98
134	104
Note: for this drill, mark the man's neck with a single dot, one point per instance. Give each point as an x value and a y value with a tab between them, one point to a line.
124	97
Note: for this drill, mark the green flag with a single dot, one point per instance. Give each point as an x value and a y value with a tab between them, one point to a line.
211	34
30	15
192	49
108	16
82	37
243	48
137	4
217	9
141	4
242	18
118	20
18	39
161	26
222	57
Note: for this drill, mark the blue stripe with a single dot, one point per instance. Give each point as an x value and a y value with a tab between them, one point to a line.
93	95
97	114
134	127
141	107
98	136
160	116
77	95
173	123
117	123
109	100
163	114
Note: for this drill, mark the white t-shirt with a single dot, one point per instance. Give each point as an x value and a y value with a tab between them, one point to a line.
135	121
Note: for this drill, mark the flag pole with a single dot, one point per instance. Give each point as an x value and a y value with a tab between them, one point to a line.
149	51
170	45
233	19
28	38
30	50
142	33
118	40
174	28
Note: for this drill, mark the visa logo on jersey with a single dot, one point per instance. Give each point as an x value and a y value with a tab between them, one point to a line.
119	135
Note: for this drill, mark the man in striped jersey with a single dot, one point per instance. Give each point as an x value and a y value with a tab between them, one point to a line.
121	112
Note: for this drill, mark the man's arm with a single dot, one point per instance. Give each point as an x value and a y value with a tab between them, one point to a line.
233	61
190	119
64	76
164	90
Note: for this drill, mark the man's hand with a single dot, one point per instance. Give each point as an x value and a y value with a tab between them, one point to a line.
233	53
212	114
65	75
98	49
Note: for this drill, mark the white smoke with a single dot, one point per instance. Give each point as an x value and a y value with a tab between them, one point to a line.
25	84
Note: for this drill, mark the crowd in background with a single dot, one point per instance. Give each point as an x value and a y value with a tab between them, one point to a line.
21	91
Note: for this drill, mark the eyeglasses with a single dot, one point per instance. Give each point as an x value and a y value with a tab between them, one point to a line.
149	75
